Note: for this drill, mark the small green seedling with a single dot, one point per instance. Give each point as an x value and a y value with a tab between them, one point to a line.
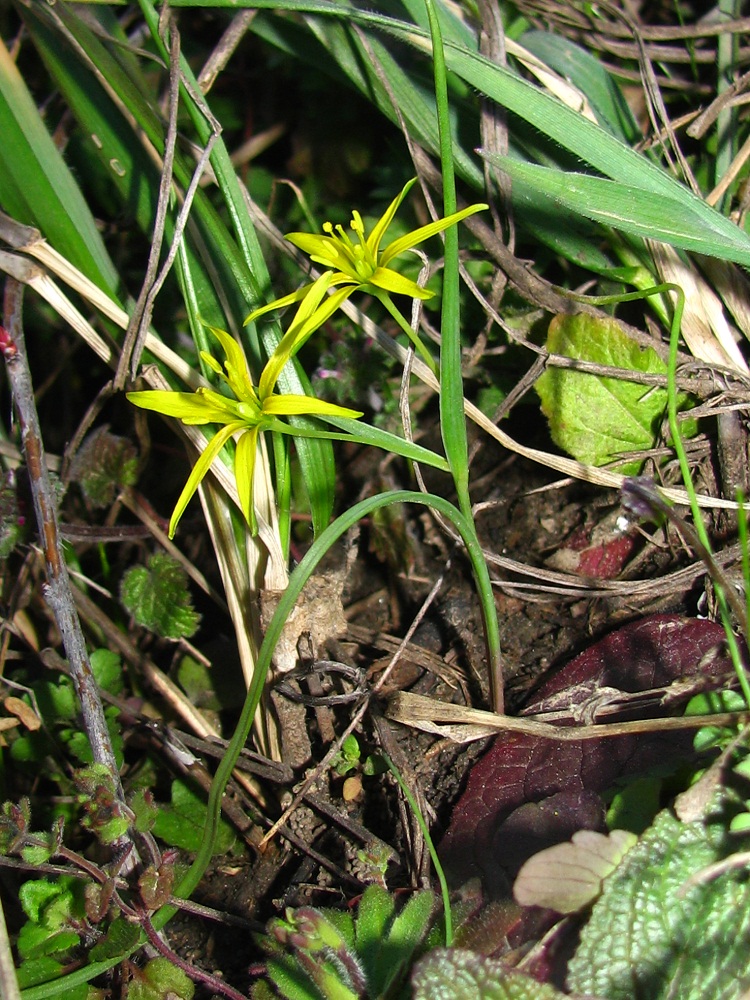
338	956
349	759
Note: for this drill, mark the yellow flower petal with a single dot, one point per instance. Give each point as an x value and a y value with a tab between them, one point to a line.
392	281
244	472
296	405
326	250
238	374
201	467
285	300
212	363
191	407
378	232
417	236
296	336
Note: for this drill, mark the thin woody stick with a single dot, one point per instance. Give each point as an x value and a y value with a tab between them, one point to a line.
57	590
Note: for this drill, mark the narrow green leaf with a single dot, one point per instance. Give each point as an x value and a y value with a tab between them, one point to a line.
567	127
37	187
679	218
406	934
378	438
587	73
374	913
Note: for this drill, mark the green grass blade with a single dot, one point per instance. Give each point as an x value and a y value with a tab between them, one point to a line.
376	437
574	133
284	609
684	222
452	420
37	187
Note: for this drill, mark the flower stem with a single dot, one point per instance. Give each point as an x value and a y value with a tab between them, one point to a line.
413	336
452	419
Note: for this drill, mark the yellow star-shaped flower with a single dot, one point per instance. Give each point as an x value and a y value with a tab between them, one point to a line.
252	410
359	263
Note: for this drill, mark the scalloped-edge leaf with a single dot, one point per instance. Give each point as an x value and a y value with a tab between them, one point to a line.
158	598
662	934
453	974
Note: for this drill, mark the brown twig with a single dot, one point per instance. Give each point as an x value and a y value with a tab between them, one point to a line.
441	718
135	336
57	590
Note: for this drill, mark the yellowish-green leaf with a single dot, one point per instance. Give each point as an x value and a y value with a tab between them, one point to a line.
597	418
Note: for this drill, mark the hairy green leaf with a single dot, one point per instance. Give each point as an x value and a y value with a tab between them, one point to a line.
663	935
450	974
158	598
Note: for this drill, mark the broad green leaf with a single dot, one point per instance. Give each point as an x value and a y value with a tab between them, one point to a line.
635	807
120	938
450	974
663	936
677	218
593	418
36	942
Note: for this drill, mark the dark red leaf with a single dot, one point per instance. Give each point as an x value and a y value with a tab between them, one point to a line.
527	793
